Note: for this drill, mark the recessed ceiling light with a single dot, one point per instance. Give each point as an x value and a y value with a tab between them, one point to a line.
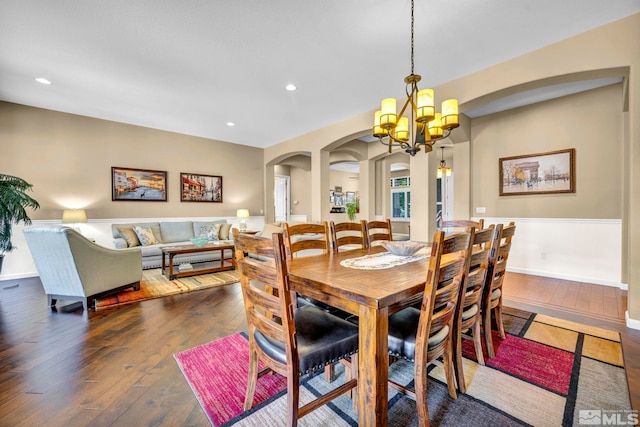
43	81
230	124
290	87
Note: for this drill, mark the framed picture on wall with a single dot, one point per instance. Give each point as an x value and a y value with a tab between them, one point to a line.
542	173
138	185
339	199
332	197
200	188
350	197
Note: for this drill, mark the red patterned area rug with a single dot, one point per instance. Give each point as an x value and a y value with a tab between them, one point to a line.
547	372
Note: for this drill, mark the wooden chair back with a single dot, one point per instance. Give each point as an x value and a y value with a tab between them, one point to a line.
266	295
444	280
476	275
379	231
348	233
468	311
295	246
492	293
500	248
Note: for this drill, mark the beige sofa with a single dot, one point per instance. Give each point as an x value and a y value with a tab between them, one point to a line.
170	233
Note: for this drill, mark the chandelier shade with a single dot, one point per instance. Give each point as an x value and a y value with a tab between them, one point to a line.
422	123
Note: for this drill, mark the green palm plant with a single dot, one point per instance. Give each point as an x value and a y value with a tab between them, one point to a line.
13	204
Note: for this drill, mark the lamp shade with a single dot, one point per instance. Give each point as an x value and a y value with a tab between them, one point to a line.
242	214
450	114
388	117
74	216
426	108
435	127
402	130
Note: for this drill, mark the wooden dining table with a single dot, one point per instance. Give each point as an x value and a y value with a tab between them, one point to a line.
371	295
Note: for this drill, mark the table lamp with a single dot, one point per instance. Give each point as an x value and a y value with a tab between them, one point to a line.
75	217
242	215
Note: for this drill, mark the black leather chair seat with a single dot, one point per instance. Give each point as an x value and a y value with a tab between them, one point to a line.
403	327
322	338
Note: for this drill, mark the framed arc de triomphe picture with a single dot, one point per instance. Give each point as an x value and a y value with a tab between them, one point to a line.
543	173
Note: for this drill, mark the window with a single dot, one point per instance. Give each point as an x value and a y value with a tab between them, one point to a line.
402	181
400	198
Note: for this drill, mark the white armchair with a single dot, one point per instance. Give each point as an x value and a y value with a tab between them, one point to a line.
75	268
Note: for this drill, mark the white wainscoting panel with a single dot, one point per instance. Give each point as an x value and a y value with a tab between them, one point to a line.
584	250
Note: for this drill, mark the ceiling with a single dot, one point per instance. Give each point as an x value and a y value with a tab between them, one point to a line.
192	66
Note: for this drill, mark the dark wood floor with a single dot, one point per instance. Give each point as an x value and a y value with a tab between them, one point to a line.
116	368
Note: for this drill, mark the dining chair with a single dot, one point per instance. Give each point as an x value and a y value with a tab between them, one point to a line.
379	231
424	335
291	342
350	235
305	240
346	235
492	294
468	314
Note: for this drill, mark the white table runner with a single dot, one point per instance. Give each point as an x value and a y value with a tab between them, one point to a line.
381	260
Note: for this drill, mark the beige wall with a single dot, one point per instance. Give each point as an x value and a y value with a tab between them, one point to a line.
68	159
590	122
300	184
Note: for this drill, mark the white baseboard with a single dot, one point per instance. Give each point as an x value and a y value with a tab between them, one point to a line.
582	279
631	323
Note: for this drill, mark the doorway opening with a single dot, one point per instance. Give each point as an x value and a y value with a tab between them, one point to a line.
282	197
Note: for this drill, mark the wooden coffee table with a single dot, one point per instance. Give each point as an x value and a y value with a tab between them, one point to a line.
169	252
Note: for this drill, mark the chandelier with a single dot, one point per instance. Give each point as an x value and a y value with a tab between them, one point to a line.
443	170
427	125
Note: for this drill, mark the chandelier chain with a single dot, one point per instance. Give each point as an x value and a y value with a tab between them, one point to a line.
422	124
411	36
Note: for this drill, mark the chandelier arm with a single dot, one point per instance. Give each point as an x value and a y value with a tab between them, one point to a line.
395	143
404	107
410	95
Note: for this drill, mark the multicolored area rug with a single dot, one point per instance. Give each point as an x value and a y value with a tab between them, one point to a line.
155	285
547	372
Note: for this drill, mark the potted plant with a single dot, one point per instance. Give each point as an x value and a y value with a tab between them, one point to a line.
353	208
13	204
